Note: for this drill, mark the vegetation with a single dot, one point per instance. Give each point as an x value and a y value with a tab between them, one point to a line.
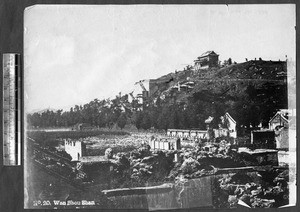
251	92
140	166
121	122
53	139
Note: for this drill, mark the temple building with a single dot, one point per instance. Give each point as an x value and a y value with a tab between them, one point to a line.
206	60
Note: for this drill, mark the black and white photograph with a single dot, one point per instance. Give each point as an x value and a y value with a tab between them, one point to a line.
160	107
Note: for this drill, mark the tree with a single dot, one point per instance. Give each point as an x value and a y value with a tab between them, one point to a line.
101	122
225	62
173	117
162	122
139	120
146	122
121	122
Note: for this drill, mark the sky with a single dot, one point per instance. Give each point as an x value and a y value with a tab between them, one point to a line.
76	53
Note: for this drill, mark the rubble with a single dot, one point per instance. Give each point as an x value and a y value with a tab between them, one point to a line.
109	153
252	191
234	182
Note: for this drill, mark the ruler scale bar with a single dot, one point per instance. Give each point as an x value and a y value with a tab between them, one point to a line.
19	107
11	110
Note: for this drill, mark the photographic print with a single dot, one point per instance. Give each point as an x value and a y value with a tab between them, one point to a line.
159	106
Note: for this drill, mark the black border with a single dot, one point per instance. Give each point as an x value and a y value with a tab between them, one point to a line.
11	41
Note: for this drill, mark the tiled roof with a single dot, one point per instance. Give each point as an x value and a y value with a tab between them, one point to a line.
207	53
230	117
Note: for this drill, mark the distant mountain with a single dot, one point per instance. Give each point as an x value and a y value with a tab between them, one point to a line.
40	111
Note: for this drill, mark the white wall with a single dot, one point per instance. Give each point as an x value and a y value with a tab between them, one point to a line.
74	148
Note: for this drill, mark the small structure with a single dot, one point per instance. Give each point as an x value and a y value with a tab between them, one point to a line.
263	138
283	123
231	125
192	134
221	132
198	134
227	127
76	149
280	119
207	60
164	144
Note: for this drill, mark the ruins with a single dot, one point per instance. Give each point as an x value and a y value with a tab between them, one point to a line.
76	149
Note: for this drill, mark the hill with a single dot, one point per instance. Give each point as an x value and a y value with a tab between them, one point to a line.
251	91
222	80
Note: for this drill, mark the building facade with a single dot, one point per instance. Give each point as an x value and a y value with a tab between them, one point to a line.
227	127
192	134
283	123
206	60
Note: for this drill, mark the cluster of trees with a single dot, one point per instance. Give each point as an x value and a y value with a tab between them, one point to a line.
104	113
249	107
250	103
227	62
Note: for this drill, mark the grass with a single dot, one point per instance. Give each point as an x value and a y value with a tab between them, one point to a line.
37	135
97	141
119	143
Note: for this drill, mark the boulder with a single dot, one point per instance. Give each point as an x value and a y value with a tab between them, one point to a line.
109	153
147	159
189	166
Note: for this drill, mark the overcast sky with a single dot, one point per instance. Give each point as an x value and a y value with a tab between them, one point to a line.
74	54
